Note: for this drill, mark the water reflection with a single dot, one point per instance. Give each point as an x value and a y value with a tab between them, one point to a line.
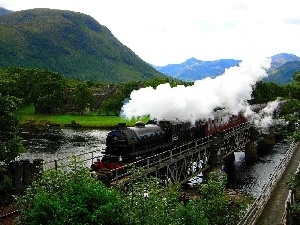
251	178
51	143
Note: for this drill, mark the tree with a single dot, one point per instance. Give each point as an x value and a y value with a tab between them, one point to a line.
10	143
264	92
296	77
115	102
293	90
48	92
82	97
44	88
216	203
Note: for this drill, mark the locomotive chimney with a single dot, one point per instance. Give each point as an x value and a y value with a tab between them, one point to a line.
122	126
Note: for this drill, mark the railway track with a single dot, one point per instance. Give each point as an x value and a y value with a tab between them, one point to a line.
9	217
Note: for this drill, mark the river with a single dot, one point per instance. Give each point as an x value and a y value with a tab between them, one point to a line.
50	144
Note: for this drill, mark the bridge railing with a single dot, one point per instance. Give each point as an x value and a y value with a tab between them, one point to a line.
86	157
286	219
254	211
159	159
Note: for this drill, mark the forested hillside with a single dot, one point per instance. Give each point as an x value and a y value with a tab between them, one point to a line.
4	11
284	73
70	43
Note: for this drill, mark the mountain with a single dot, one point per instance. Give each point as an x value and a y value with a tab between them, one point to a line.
71	43
193	69
4	11
282	68
283	74
282	58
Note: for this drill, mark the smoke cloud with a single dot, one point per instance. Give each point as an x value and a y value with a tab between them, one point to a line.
230	91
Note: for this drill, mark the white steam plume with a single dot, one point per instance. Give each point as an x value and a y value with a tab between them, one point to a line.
231	90
264	118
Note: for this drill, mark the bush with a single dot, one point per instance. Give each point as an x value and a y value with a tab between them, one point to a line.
149	203
73	197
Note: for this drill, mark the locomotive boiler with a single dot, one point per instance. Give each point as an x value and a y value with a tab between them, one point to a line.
131	143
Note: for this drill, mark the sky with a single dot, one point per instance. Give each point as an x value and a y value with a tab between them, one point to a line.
165	32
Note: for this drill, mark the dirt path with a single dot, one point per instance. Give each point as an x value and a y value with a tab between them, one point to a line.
274	210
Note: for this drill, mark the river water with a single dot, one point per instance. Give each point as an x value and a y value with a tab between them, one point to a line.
50	144
250	178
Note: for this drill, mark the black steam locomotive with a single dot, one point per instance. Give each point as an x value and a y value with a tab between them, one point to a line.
131	143
128	144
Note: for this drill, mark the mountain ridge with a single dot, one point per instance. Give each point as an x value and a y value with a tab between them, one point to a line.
193	69
71	43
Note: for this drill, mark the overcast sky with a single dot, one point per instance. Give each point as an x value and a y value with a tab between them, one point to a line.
164	32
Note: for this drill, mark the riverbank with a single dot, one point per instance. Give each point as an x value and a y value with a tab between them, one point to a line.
27	117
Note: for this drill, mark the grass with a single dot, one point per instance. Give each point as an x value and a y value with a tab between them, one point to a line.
27	116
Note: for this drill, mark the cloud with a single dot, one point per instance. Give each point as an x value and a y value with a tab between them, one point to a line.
171	31
295	20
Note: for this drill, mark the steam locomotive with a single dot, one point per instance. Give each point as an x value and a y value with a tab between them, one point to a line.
128	144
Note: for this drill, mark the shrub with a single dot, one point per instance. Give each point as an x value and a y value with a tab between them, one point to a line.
70	197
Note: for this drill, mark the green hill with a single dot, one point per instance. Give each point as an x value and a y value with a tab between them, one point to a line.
71	43
284	73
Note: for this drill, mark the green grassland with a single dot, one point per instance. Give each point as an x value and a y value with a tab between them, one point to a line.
27	116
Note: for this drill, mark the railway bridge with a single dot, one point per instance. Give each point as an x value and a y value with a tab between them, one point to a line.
180	164
190	159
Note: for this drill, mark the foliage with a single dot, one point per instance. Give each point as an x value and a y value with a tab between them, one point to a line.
264	92
294	185
296	77
10	143
147	202
216	203
290	112
294	182
296	136
124	90
116	101
70	197
293	90
82	97
150	203
44	88
74	197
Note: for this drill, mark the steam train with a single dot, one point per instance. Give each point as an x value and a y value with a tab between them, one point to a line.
128	144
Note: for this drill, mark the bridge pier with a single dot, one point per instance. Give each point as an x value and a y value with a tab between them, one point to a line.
251	151
229	159
270	137
215	158
267	142
251	146
216	154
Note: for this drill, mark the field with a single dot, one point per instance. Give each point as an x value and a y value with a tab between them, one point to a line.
27	116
